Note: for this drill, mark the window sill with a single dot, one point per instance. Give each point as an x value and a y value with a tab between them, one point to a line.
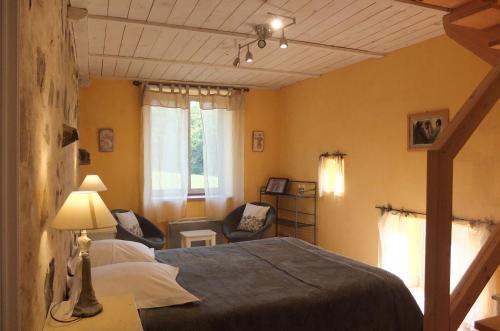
196	197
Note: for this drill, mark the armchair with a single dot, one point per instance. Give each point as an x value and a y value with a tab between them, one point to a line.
153	237
231	222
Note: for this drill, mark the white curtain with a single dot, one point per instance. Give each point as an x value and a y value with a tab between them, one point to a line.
402	252
165	153
223	152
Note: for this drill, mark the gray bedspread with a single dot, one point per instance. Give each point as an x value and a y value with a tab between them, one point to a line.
282	284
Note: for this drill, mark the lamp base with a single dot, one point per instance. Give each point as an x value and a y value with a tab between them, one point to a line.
87	305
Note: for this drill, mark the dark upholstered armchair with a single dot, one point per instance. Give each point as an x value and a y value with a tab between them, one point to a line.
153	237
231	222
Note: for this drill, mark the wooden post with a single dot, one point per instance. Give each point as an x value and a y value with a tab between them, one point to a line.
438	241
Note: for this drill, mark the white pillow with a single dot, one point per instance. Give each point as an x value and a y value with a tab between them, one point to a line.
110	251
152	284
130	223
253	218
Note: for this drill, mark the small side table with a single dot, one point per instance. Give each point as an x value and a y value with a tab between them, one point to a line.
119	313
187	237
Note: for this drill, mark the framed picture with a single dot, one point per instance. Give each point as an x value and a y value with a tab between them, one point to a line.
258	141
106	140
276	185
424	128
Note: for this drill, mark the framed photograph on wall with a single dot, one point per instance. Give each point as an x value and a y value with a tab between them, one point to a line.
106	140
276	185
424	128
258	141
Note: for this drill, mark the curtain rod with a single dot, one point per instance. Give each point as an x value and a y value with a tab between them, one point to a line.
407	212
191	84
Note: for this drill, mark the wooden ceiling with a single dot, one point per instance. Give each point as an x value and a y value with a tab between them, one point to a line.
195	40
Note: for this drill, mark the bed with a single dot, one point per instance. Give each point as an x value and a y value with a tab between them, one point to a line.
282	284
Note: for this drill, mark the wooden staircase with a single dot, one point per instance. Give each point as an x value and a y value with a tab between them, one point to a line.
488	324
475	24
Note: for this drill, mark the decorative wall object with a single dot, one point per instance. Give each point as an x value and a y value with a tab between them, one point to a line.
424	128
70	135
331	174
106	140
276	185
258	141
83	156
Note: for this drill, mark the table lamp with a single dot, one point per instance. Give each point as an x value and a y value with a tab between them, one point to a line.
82	211
92	183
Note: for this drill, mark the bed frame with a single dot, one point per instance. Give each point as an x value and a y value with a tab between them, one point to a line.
476	26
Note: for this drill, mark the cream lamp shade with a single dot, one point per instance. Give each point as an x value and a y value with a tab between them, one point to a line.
83	211
92	183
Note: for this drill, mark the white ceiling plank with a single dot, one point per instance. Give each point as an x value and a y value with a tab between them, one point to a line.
407	30
183	72
119	8
113	40
181	11
170	72
149	38
225	53
130	40
261	16
134	68
108	67
434	32
162	44
221	13
160	11
197	42
279	56
207	48
291	6
95	66
140	9
193	74
159	70
97	34
200	13
181	40
304	14
98	7
407	39
381	23
121	68
307	55
401	26
362	17
243	12
203	75
147	70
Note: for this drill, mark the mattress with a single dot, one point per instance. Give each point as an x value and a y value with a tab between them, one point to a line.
282	284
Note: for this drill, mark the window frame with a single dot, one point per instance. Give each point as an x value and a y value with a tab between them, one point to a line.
192	192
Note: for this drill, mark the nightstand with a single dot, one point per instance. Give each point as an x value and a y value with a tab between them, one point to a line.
119	313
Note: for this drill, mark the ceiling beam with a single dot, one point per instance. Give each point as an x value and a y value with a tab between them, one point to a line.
208	65
232	34
420	3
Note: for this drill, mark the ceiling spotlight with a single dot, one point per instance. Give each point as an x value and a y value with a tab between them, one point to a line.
249	56
283	41
236	62
261	43
277	23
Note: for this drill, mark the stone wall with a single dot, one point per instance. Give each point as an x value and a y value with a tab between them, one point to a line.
49	99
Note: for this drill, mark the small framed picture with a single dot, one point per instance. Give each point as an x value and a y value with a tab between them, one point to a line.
106	140
276	185
424	128
258	141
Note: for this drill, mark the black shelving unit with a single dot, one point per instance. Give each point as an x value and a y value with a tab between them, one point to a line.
289	215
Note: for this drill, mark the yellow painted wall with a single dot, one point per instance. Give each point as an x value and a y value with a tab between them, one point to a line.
116	104
362	110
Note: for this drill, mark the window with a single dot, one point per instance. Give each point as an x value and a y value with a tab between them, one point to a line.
196	175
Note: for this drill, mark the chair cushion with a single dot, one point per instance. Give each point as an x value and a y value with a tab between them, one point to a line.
129	222
253	218
155	240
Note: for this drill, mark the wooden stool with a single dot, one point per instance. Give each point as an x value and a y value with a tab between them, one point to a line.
187	237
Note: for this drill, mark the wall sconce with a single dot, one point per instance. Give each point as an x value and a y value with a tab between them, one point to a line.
331	174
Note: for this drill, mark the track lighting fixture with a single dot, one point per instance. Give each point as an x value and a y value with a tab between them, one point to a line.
264	32
283	41
249	56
